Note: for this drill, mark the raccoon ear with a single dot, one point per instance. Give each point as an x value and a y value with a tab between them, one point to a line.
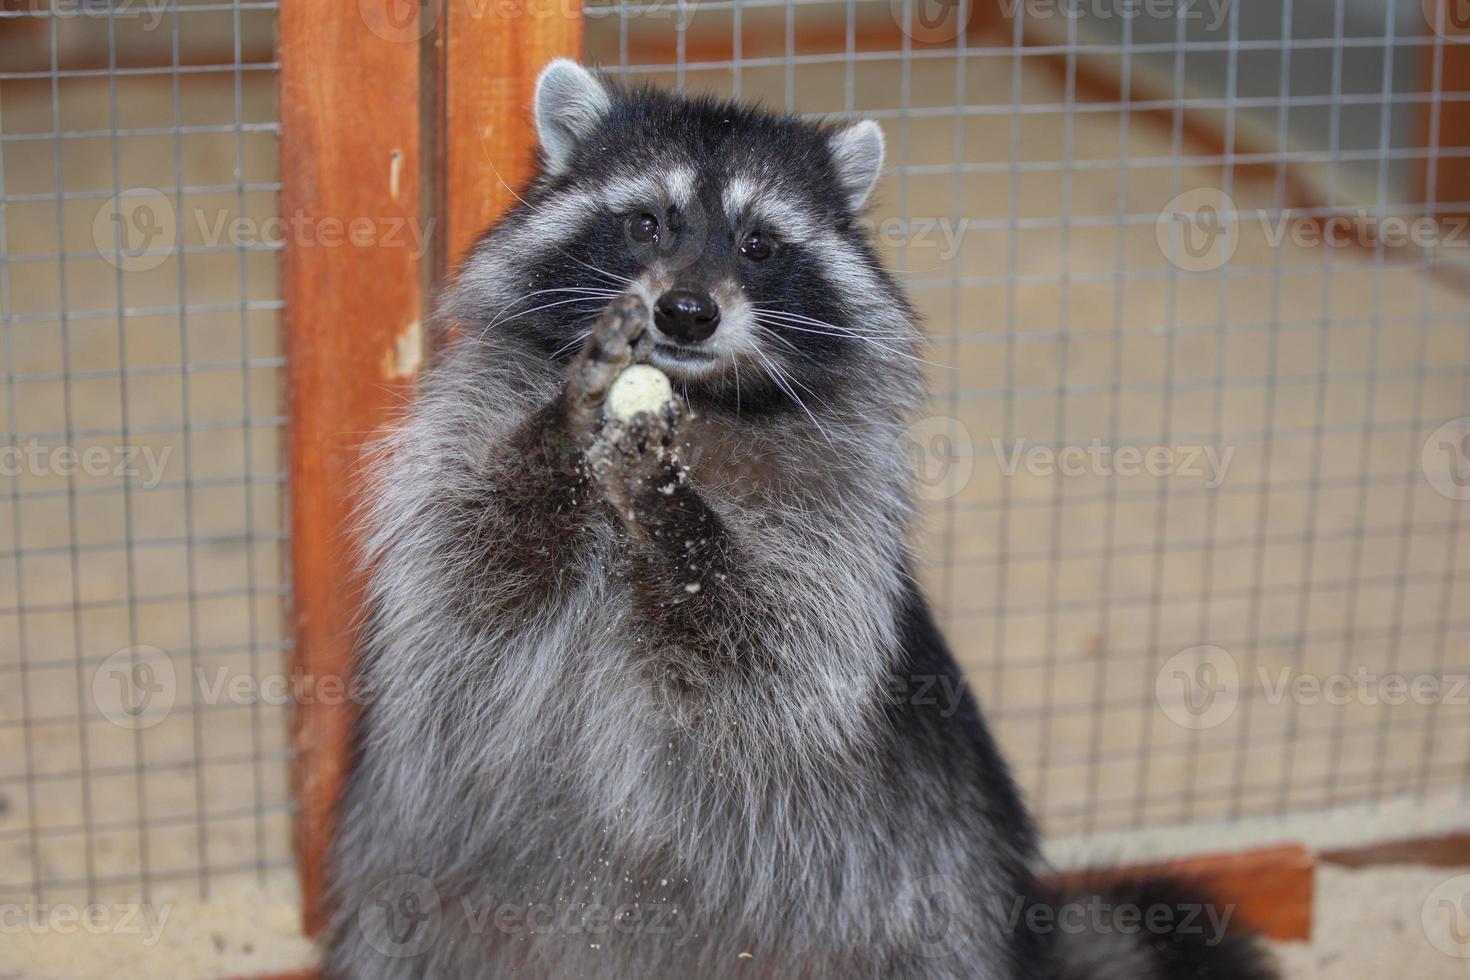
857	151
569	102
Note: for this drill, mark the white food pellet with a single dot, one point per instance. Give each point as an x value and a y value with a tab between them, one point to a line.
640	388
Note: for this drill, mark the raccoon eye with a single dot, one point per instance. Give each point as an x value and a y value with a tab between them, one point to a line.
643	228
756	247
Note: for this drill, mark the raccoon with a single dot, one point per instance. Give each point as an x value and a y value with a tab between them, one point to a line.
663	700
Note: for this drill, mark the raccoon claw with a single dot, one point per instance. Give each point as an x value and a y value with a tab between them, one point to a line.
620	337
637	460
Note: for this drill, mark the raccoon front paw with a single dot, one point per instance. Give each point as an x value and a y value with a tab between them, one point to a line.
636	463
620	337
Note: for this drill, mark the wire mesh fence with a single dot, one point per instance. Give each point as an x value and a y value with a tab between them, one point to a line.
142	718
1195	469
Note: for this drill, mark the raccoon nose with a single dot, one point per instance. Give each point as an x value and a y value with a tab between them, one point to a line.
686	315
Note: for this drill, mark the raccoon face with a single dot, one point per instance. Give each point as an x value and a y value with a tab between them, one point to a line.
737	226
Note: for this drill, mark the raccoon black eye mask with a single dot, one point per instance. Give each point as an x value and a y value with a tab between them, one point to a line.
649	675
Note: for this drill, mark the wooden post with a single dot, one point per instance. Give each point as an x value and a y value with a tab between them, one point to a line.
350	174
1450	185
490	54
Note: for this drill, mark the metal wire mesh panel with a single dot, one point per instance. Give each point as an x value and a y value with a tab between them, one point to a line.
142	708
1196	465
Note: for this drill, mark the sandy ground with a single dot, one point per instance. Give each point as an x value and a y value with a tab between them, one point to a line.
1372	924
1368	925
1323	551
245	929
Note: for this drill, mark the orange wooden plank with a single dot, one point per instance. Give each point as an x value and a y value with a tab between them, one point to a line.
1448	182
350	175
1271	890
1445	851
490	56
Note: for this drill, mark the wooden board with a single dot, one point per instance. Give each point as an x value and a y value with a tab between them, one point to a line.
349	160
1444	851
490	54
1448	185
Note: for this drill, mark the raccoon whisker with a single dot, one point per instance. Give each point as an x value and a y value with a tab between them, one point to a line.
620	280
771	331
584	290
531	207
780	378
793	379
848	335
786	325
546	306
579	338
736	364
599	291
775	311
875	339
784	316
785	341
590	292
832	328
